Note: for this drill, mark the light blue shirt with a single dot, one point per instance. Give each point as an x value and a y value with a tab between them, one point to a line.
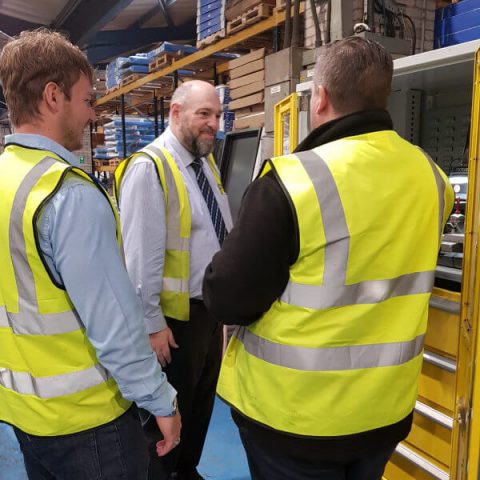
143	217
78	243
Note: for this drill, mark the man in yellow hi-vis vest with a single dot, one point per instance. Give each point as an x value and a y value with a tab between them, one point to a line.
329	272
73	350
175	215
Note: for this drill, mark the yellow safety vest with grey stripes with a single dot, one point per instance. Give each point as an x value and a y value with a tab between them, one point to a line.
51	382
341	351
175	295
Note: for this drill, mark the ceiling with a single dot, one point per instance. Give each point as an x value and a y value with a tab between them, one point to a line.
108	28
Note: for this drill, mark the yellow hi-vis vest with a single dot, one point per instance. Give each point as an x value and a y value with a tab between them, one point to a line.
175	295
51	382
340	352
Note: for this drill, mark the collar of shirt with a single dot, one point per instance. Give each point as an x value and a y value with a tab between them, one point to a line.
39	142
172	141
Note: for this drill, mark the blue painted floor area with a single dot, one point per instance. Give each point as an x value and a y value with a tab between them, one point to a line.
223	456
11	460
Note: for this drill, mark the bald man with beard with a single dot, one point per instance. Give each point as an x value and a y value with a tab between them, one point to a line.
186	340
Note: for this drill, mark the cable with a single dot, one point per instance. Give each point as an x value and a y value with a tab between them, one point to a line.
414	31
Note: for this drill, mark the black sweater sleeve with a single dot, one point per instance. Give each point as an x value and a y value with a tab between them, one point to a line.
252	269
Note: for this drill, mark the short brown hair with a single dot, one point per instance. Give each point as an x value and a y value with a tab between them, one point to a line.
29	62
356	73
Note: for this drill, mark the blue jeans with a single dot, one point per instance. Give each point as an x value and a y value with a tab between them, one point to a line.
267	464
116	450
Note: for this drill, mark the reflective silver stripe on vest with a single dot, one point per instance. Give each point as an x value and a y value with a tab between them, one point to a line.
441	194
334	292
335	227
35	323
175	285
27	298
28	321
372	291
174	240
330	358
52	386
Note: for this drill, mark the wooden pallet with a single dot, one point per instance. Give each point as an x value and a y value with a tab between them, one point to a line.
213	38
113	89
251	16
131	78
162	61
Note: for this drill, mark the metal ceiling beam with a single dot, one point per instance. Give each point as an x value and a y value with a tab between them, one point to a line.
112	43
161	6
166	15
90	16
13	26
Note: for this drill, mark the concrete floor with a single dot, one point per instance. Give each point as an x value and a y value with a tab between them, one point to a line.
223	456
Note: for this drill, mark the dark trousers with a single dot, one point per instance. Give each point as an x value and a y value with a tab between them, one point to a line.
116	450
268	464
193	372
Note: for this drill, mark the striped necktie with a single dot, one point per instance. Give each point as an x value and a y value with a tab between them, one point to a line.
210	200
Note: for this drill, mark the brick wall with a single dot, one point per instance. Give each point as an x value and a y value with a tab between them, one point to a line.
86	151
423	19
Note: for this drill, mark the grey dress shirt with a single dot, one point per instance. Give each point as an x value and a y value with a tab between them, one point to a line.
142	213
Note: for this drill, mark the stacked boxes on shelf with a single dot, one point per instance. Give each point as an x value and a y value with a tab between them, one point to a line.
281	78
139	132
247	83
226	120
457	23
123	69
210	21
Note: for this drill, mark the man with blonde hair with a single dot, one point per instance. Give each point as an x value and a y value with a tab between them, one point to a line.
73	350
175	216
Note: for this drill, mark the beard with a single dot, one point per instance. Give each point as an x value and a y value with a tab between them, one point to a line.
197	146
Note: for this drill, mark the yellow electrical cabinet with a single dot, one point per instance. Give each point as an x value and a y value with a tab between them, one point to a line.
435	103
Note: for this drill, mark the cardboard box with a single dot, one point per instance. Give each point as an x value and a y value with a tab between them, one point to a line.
249	57
243	112
248	68
307	74
266	146
283	65
273	94
246	101
255	120
247	90
246	79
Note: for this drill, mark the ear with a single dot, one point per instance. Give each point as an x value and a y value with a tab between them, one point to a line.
175	110
53	97
321	100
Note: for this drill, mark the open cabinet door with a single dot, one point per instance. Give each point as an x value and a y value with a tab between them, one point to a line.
465	458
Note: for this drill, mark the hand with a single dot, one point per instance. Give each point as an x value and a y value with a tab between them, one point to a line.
170	428
161	343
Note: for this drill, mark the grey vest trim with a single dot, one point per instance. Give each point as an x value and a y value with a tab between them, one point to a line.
330	358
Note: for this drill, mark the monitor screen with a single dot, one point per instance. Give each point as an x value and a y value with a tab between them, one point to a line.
238	163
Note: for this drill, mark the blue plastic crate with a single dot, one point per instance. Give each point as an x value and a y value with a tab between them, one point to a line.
458	8
210	26
209	31
210	15
458	37
209	7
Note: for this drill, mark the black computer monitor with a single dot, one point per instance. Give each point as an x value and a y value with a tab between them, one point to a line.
237	166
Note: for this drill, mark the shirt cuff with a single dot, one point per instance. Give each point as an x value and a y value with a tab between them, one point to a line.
155	324
163	406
